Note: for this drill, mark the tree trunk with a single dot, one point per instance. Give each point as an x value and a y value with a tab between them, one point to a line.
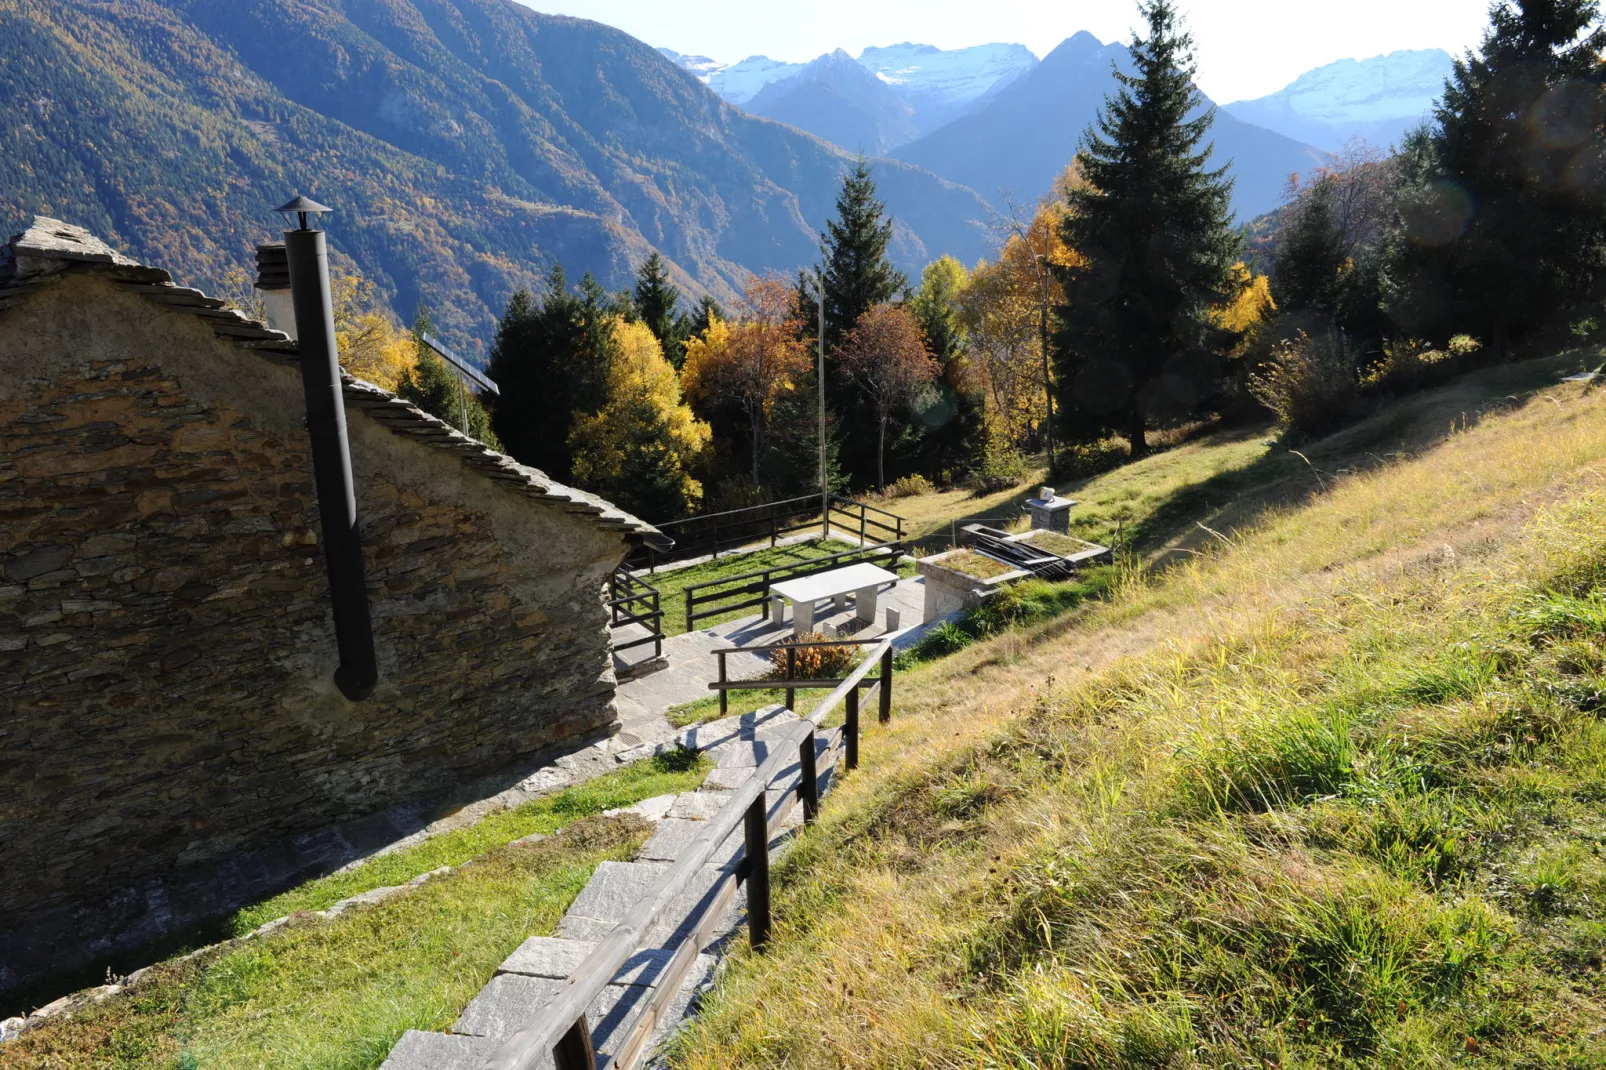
755	452
881	456
1135	436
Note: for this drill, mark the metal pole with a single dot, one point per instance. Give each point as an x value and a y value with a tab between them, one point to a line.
825	489
462	404
308	254
1048	387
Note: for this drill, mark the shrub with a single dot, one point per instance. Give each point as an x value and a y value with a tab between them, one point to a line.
1311	384
999	470
909	487
814	663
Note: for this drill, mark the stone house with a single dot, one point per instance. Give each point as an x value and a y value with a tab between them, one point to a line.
171	743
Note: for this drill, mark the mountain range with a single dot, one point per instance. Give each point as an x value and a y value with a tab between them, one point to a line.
467	145
1378	99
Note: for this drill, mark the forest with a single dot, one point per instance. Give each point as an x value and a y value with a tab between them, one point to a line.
1124	311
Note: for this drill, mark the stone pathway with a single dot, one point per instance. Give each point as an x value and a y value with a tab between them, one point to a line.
529	976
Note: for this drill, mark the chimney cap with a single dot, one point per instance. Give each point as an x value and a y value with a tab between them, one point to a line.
301	208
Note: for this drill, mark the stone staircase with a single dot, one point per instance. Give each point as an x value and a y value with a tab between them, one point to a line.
529	976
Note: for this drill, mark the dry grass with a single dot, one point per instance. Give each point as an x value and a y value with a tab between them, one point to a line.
1327	793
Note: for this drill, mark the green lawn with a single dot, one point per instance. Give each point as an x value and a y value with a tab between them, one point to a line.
336	994
664	775
672	583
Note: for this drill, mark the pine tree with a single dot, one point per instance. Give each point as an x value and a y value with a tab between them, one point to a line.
858	277
656	302
1150	223
1310	257
1519	141
551	360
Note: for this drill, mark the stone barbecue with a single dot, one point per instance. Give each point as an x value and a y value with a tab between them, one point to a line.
171	744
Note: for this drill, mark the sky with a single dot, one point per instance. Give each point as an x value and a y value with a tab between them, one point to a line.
1244	48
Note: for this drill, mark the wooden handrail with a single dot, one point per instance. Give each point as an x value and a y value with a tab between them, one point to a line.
879	655
560	1021
799	646
525	1049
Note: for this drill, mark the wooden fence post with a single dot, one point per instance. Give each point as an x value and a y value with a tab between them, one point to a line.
574	1050
758	872
724	694
850	728
791	673
809	781
886	685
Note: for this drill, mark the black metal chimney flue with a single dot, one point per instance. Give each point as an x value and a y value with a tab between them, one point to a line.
331	453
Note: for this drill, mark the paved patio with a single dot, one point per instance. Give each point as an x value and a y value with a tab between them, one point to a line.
691	665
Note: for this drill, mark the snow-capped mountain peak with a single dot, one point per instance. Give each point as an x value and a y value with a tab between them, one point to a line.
1377	98
948	77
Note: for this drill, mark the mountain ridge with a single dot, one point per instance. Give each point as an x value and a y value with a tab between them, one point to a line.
467	144
1005	146
1379	99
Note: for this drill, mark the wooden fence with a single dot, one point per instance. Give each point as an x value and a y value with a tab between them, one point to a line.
714	533
751	590
631	600
559	1028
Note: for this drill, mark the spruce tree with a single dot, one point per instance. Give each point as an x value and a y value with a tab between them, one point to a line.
858	277
1310	258
550	361
656	302
1150	224
1520	129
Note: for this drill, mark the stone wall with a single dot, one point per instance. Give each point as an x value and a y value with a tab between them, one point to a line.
169	729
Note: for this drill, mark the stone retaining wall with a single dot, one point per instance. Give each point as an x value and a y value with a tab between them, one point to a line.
166	648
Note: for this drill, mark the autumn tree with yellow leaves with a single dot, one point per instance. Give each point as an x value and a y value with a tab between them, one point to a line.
640	450
751	362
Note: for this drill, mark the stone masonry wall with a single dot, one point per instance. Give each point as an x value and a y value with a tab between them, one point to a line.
166	646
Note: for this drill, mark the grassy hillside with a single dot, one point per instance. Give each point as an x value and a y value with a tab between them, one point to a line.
1329	790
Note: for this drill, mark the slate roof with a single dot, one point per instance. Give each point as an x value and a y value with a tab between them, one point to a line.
50	249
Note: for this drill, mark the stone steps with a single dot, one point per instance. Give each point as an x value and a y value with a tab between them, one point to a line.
529	976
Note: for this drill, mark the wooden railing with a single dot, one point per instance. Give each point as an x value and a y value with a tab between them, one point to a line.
791	682
558	1027
631	600
712	534
872	524
751	590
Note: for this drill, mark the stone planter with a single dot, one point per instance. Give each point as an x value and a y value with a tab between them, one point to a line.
948	590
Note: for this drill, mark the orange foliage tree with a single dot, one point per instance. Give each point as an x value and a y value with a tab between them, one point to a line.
886	355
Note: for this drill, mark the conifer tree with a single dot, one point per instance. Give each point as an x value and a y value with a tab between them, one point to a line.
1310	254
858	277
656	302
1150	223
1519	147
551	361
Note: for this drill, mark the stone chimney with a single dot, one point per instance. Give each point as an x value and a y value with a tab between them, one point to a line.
273	279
